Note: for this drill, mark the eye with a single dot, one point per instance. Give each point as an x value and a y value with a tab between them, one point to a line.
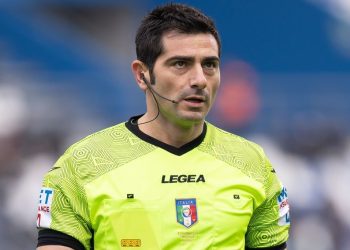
180	64
210	65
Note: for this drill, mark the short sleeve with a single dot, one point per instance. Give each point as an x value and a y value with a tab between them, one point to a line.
269	225
62	203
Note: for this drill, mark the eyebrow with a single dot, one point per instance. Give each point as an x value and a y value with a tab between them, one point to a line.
212	58
191	58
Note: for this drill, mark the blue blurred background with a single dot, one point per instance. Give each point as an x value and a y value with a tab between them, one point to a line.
65	73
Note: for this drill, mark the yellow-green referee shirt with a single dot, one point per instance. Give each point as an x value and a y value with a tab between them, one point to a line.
121	189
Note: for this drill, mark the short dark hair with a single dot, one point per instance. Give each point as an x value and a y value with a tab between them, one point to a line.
169	17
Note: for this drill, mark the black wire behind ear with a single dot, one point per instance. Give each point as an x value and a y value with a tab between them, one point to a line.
153	91
144	78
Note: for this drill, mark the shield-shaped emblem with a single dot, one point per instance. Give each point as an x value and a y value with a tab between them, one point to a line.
186	211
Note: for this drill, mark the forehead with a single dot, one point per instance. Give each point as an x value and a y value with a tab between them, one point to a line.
181	44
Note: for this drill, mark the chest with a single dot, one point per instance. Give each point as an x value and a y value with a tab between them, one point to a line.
150	203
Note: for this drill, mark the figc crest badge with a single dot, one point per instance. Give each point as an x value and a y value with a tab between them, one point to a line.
186	211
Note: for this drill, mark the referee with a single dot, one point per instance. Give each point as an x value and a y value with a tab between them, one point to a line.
166	179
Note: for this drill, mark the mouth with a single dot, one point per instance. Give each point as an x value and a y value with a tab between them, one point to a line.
195	99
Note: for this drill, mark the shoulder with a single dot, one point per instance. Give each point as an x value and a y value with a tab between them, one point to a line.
82	158
100	138
232	142
238	152
100	153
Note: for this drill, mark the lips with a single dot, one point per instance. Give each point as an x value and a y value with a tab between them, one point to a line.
195	99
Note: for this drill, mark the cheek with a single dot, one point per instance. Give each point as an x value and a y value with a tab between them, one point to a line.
215	88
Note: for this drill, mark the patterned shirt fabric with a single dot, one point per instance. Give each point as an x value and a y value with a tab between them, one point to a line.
127	190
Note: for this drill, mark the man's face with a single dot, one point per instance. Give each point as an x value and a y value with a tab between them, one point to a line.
187	71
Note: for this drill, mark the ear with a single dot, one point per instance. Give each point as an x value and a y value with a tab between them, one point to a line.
138	68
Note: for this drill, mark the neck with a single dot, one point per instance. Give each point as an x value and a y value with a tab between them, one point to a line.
169	132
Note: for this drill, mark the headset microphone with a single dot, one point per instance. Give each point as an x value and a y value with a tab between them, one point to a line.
152	90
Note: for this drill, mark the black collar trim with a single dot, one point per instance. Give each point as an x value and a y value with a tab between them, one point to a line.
131	124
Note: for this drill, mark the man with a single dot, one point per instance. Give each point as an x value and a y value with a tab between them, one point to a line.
166	179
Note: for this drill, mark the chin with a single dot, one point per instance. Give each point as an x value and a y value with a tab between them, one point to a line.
192	117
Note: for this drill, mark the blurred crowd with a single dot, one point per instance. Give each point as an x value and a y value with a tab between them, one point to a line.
36	124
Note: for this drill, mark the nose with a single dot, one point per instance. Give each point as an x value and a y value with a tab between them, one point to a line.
198	78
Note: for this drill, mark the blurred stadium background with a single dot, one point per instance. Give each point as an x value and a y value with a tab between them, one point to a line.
65	73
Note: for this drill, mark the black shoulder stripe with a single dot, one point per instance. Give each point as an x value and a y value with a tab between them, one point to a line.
53	237
283	246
